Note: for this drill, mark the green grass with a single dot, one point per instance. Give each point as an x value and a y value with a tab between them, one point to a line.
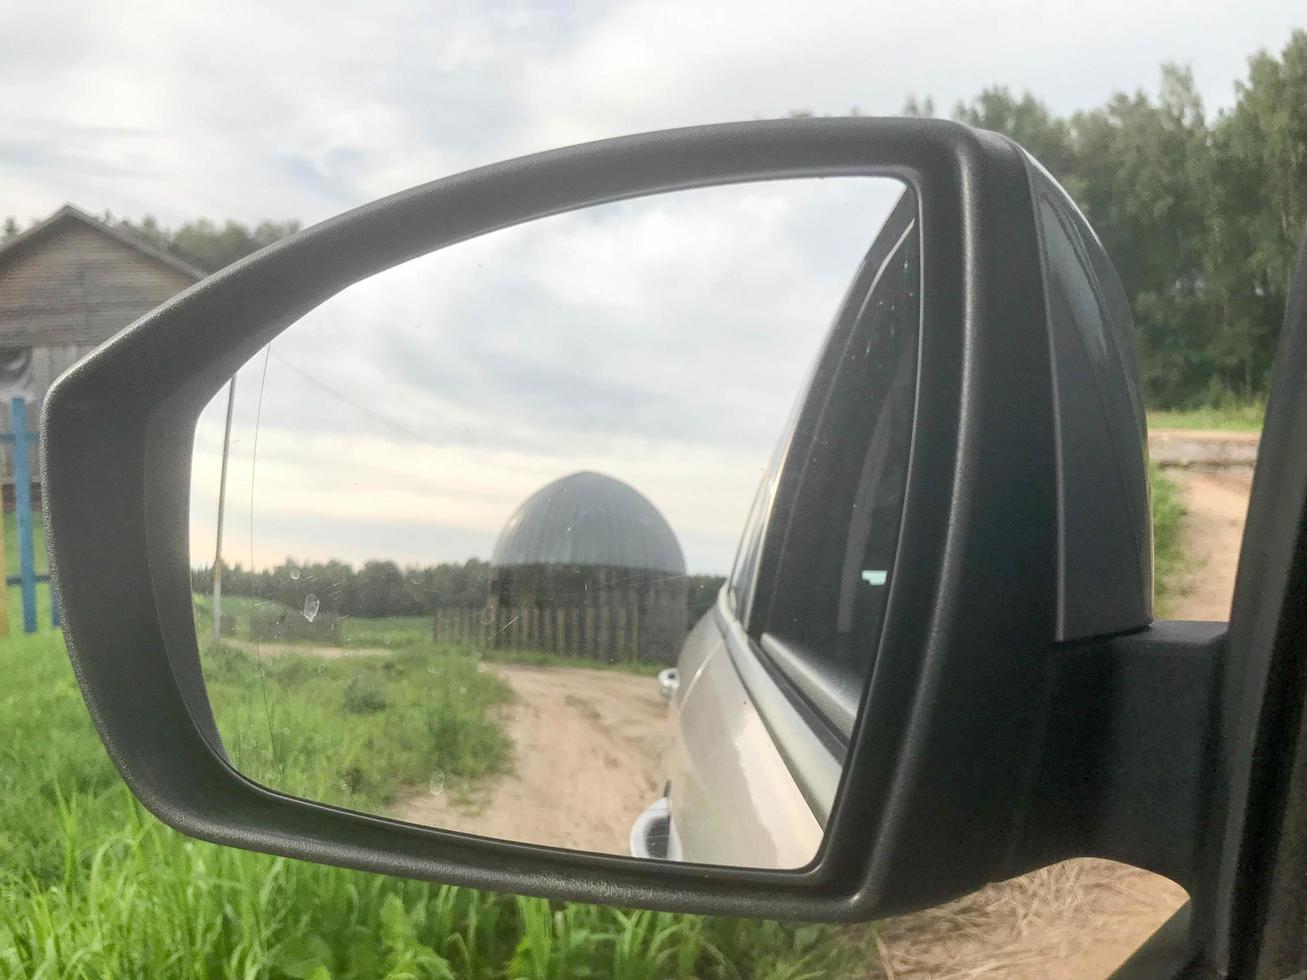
400	633
358	731
391	631
396	632
1169	562
92	887
1231	418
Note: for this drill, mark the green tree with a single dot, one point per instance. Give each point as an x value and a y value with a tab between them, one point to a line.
207	245
1142	171
1026	120
1258	195
922	107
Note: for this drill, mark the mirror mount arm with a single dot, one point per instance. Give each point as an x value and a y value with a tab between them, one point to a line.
1125	766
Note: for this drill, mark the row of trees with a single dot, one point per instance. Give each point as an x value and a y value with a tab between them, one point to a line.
382	588
1201	214
205	244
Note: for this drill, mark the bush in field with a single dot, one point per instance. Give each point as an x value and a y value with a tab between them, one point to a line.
362	698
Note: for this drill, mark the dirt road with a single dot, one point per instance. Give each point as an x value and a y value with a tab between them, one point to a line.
264	648
1203	447
1080	920
1217	501
587	747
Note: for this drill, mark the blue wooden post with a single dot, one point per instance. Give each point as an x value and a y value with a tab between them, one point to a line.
23	508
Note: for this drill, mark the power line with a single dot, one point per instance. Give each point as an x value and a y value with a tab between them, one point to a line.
353	403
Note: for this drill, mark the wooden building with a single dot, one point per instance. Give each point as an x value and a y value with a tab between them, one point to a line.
67	285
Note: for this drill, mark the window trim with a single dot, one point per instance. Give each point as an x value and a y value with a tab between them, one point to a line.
817	687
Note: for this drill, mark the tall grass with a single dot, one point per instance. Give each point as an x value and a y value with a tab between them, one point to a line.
91	886
1169	561
393	632
1234	417
356	731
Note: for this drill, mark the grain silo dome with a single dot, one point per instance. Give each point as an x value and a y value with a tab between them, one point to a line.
588	519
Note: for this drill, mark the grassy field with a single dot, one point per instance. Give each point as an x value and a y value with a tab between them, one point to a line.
358	731
91	886
396	633
1233	418
1169	561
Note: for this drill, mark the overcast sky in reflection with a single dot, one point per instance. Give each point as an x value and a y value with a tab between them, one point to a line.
662	341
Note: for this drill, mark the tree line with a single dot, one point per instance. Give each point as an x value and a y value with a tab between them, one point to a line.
382	588
1200	213
203	243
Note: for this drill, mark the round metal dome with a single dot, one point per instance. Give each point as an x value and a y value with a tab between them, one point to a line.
589	519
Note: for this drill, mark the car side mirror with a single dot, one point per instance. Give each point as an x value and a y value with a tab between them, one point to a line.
925	617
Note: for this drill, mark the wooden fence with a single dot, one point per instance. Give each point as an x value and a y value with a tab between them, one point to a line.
597	633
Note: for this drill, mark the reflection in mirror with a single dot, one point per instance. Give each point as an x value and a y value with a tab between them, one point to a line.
480	543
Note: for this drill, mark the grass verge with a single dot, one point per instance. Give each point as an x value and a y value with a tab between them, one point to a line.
355	731
1169	561
396	633
91	886
1230	418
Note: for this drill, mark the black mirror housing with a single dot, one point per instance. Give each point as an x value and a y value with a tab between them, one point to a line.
1025	527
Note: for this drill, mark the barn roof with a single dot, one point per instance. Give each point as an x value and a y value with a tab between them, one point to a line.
589	519
68	213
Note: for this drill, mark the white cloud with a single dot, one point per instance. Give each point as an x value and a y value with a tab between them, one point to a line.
294	110
301	110
662	341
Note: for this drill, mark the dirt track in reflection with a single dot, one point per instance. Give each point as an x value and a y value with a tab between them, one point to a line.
587	754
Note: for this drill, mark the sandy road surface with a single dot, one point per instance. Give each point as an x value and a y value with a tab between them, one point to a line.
1203	447
587	746
1217	501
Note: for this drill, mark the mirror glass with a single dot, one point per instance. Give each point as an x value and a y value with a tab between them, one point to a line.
578	533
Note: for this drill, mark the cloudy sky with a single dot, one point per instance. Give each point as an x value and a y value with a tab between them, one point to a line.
661	341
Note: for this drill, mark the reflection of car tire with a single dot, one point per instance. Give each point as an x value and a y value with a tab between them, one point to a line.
669	681
651	832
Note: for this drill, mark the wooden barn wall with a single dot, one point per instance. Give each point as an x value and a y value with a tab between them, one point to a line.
79	286
65	295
